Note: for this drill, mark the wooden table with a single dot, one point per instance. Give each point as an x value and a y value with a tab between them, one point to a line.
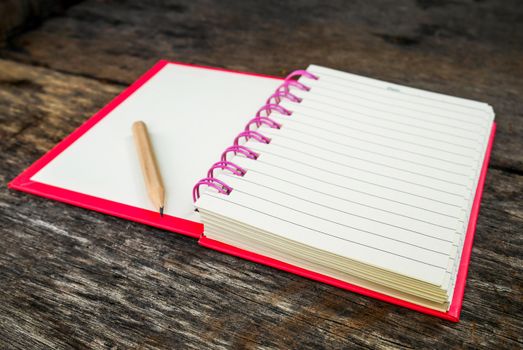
75	278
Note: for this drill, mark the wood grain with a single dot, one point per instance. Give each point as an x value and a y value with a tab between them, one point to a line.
464	48
17	16
72	278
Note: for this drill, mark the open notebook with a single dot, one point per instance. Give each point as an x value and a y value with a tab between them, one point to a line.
366	185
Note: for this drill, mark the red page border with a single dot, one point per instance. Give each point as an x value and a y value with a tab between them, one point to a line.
457	300
24	183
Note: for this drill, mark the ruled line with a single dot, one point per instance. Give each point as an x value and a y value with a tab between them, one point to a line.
374	143
401	132
360	121
374	116
388	94
242	178
322	73
225	199
383	103
372	152
348	226
356	179
379	135
358	191
254	147
275	143
359	203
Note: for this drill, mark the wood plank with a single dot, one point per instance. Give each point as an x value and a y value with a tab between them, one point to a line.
448	47
19	15
75	278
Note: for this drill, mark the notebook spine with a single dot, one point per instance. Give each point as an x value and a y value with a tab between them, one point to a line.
262	117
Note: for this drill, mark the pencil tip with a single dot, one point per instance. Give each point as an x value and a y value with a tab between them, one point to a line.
161	211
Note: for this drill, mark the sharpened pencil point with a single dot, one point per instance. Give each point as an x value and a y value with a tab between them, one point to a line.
161	211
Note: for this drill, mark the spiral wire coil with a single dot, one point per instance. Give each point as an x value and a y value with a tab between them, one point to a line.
262	117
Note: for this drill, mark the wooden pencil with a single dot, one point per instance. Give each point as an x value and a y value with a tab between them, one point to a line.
149	165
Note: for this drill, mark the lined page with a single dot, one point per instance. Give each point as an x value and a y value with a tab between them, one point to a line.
478	118
372	171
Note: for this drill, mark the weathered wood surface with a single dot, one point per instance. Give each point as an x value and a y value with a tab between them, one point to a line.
19	15
71	278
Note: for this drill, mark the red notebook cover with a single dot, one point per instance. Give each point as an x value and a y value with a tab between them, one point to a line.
24	183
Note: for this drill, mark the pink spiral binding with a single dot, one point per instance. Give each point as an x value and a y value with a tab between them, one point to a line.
296	84
279	94
301	72
226	165
221	186
247	152
262	120
251	134
269	107
272	104
290	82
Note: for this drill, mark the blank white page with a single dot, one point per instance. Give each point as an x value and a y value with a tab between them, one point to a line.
192	115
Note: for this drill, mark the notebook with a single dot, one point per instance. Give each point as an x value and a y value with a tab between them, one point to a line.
366	185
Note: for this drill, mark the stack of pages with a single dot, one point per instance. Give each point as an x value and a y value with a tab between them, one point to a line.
367	182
